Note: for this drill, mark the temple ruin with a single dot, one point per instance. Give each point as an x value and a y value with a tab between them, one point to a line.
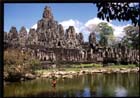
50	43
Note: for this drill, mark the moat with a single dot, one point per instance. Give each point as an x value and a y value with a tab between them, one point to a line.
98	84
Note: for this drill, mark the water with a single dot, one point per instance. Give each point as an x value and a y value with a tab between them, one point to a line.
106	85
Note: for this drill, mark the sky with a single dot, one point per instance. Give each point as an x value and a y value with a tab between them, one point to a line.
83	16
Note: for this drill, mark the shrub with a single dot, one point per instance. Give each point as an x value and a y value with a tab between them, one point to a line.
35	64
16	64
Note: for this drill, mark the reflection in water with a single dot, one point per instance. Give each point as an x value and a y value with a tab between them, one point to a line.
86	92
107	85
78	94
120	92
54	91
99	91
54	83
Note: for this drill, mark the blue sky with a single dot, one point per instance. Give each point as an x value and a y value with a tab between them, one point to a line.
28	14
76	14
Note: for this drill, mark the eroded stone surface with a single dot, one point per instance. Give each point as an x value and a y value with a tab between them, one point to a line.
22	36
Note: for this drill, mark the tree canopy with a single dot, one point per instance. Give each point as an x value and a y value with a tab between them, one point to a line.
119	11
131	38
106	33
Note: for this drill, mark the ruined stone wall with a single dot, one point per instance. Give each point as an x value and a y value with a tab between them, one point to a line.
100	55
57	54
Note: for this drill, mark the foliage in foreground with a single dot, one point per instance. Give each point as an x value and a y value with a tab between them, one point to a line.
119	11
17	64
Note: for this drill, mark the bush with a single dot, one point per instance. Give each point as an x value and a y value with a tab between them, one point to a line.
35	64
16	64
15	57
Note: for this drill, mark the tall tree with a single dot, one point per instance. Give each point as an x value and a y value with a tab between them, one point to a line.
106	34
131	38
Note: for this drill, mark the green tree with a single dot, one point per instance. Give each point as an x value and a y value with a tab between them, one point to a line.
131	38
106	34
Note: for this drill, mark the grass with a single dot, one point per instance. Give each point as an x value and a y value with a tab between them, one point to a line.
123	66
56	69
84	66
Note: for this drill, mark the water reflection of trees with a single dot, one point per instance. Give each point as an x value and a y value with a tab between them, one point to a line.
109	82
97	84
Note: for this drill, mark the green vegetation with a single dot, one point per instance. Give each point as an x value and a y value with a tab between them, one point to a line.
123	66
86	65
131	39
35	64
106	34
17	64
78	67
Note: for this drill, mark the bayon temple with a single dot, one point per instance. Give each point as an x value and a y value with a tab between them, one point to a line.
50	43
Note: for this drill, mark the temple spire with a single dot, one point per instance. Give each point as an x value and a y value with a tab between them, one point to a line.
47	14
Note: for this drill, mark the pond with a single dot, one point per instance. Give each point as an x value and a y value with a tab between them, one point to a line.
106	85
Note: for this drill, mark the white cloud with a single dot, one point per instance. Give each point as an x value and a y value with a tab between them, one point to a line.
95	21
79	27
118	30
27	30
34	26
77	24
92	23
120	92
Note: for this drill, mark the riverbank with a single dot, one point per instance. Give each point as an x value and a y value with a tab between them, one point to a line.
69	72
77	70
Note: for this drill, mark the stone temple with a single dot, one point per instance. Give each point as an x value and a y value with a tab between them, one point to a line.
50	43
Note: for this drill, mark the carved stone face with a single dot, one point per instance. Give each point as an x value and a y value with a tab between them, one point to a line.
47	13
